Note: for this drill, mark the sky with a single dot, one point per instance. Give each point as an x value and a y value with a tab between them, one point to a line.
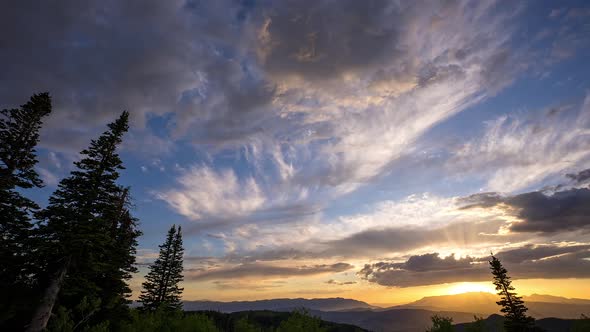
376	150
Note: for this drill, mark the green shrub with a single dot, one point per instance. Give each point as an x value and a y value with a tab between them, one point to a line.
441	324
300	320
168	321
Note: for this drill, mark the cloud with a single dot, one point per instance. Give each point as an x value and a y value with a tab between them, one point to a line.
47	176
211	193
419	224
539	211
530	261
258	270
531	252
146	144
515	152
340	283
318	102
581	176
397	240
563	211
105	56
249	285
297	38
311	116
390	228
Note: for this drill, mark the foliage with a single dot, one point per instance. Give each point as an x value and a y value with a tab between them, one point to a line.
19	134
441	324
163	320
582	324
478	325
301	320
243	325
63	318
270	321
87	230
161	290
512	305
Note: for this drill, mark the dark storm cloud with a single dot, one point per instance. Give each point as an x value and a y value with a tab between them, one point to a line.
538	211
379	241
320	40
97	58
262	270
482	200
194	59
567	210
526	262
533	252
340	283
581	176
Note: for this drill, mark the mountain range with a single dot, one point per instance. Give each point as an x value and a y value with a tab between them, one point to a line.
327	304
411	317
540	306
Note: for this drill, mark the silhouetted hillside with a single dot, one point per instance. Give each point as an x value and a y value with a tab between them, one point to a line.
485	303
554	299
494	323
393	320
329	304
411	317
267	320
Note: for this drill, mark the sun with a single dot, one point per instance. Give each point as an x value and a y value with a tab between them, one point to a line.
467	287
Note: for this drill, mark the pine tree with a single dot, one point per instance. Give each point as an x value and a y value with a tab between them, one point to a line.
441	324
161	286
121	251
79	229
19	134
512	305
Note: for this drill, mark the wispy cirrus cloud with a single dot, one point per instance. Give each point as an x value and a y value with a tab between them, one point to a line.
516	152
330	98
257	270
217	194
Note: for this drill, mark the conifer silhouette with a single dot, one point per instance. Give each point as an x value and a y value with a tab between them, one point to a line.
79	232
161	289
512	305
19	134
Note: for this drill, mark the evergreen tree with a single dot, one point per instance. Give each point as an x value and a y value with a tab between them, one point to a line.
441	324
161	287
19	134
80	230
301	320
478	325
512	305
121	251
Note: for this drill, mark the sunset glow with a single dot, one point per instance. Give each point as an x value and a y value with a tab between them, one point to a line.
379	151
467	287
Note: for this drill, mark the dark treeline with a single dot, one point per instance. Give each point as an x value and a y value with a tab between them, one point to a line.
66	267
512	306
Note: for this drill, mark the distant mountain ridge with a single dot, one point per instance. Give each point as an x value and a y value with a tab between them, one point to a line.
554	299
495	323
326	304
411	317
391	320
540	306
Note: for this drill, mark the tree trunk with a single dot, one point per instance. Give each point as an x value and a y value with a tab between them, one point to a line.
43	312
